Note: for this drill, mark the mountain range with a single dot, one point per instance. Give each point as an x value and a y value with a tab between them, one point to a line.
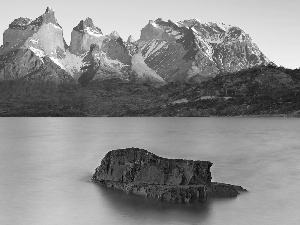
185	68
187	51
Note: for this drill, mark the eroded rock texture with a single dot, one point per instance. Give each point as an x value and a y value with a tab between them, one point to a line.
186	51
84	35
27	43
193	51
172	180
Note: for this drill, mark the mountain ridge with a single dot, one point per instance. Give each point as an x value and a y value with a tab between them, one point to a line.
185	51
185	68
259	91
206	50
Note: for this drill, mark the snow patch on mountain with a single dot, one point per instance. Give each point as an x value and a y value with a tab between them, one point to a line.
187	50
155	46
57	27
223	26
140	67
38	52
48	38
72	63
57	62
153	23
92	32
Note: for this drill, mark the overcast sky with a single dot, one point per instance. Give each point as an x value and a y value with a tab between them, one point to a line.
272	24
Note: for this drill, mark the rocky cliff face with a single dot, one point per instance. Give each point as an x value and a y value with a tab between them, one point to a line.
43	33
83	35
99	66
100	56
193	51
172	180
140	166
27	43
186	51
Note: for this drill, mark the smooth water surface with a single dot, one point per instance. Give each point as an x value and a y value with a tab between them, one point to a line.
46	165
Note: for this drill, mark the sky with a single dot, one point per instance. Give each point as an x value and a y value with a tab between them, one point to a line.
274	25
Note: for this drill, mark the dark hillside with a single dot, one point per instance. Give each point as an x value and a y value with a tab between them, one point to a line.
264	91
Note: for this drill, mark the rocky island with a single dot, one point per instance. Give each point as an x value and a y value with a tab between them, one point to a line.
143	173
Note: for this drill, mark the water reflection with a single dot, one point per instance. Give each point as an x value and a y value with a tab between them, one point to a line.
45	164
148	211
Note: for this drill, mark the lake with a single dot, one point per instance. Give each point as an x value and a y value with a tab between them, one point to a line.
46	165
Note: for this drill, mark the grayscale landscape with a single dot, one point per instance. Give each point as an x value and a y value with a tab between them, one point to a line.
149	113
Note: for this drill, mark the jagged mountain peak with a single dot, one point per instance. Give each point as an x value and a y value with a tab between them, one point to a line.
162	30
130	39
204	48
47	17
88	22
20	23
210	31
159	22
87	26
185	51
43	34
23	23
152	22
114	35
83	35
49	10
190	23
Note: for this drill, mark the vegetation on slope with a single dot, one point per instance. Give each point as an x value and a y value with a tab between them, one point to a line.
265	90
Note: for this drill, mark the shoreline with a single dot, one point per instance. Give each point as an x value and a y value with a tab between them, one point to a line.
82	114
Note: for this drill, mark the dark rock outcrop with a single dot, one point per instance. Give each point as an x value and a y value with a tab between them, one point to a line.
140	172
